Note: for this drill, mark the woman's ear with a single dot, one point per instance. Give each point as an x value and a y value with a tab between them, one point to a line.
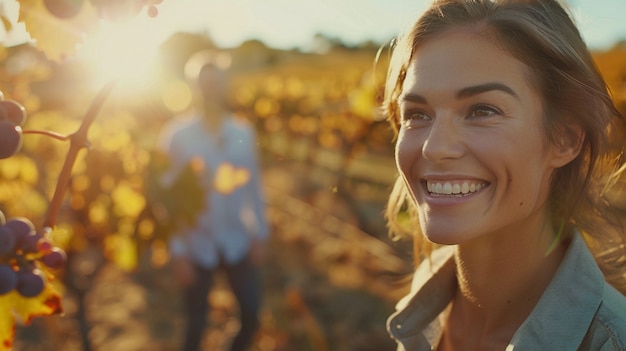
567	146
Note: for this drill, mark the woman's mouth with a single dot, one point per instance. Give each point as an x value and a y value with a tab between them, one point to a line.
454	188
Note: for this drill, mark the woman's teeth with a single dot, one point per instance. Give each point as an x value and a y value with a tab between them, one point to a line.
454	188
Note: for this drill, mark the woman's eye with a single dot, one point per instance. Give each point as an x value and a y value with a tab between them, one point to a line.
415	115
413	118
481	111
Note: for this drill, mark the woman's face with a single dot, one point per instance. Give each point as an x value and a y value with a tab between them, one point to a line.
471	147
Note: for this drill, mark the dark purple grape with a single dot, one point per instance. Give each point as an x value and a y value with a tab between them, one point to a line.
8	279
55	259
45	246
10	139
21	225
30	243
7	240
14	112
24	232
30	283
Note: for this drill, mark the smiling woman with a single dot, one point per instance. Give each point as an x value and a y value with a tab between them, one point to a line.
502	127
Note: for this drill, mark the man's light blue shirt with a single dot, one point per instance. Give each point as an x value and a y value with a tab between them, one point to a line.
233	218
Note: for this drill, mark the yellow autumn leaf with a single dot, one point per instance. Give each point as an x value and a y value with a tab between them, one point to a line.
14	307
7	322
229	178
6	23
55	37
45	304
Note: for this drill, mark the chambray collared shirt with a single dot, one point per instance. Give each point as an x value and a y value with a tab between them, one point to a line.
579	310
235	215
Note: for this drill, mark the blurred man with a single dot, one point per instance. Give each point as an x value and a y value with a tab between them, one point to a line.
230	231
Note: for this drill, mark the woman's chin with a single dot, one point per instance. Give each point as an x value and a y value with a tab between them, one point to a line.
444	238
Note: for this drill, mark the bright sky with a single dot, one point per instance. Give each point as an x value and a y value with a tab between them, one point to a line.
125	49
292	23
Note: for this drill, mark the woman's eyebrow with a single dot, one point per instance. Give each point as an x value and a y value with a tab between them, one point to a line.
463	93
483	88
410	97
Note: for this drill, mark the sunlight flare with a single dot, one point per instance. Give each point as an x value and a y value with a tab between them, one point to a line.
126	52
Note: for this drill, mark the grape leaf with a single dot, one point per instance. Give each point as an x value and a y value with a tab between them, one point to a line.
57	37
11	32
6	23
14	307
178	204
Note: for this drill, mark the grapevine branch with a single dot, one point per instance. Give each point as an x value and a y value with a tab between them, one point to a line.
47	133
78	140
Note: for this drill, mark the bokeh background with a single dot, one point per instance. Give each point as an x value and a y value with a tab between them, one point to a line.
312	92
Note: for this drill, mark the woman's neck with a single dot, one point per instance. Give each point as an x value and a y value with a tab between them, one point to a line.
501	278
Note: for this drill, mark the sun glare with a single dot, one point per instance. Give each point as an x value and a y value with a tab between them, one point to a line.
126	52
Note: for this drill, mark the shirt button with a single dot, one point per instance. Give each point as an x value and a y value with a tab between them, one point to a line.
398	326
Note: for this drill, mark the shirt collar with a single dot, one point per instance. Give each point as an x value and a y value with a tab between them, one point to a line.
566	309
559	320
416	324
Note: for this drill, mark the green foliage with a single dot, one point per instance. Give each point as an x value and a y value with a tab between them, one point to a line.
174	206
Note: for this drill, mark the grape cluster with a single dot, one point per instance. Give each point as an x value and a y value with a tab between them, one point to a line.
12	118
23	251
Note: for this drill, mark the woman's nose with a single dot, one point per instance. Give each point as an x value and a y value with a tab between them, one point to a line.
443	141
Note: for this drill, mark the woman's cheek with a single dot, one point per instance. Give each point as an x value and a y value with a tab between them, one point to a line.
407	150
